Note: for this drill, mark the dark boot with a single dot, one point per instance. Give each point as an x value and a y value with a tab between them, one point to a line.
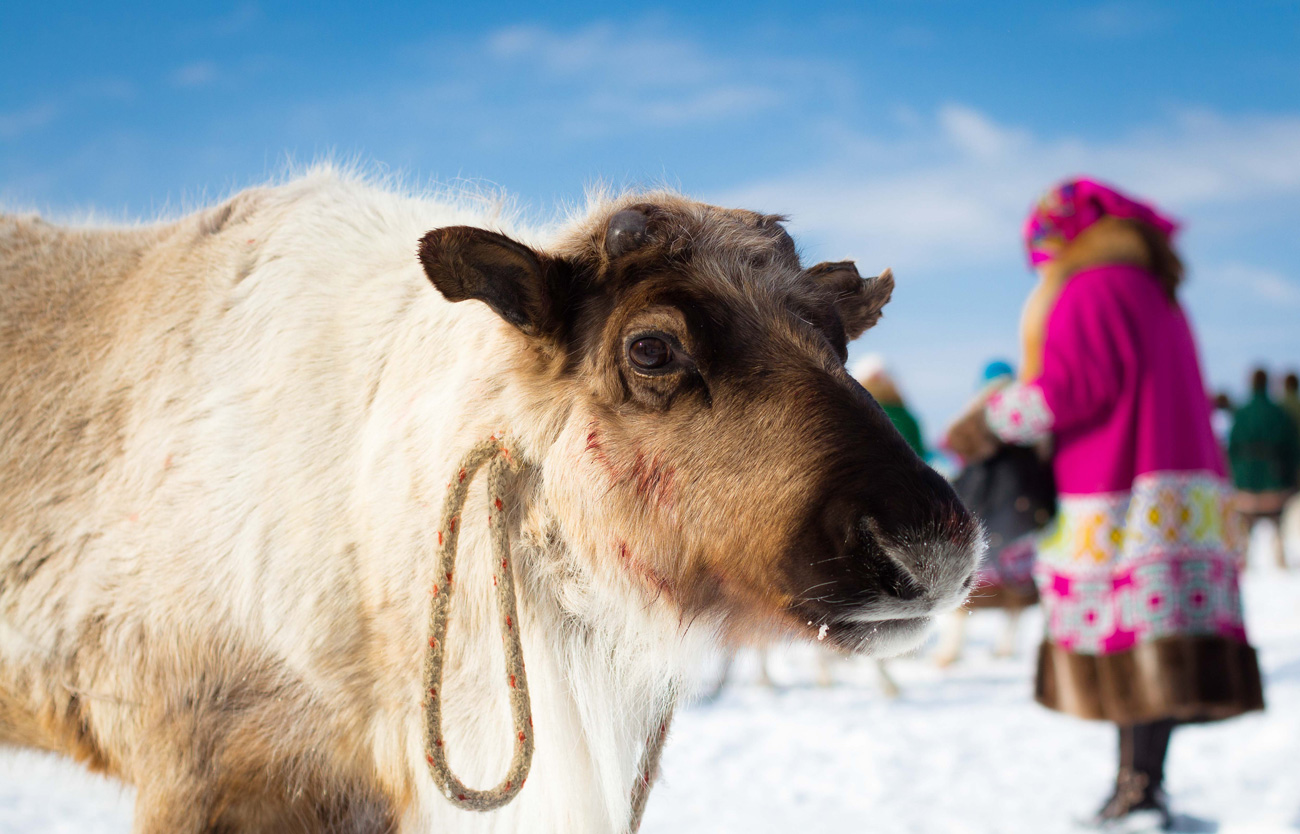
1139	785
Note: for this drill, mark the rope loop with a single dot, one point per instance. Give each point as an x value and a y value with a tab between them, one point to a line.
497	455
648	772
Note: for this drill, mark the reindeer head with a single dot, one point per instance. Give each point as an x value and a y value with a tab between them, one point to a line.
714	453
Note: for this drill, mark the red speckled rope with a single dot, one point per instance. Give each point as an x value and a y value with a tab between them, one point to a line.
497	455
516	680
649	772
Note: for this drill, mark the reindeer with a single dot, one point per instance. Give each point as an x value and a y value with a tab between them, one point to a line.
225	442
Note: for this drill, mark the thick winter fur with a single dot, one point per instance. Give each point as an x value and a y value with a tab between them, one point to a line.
224	440
1113	240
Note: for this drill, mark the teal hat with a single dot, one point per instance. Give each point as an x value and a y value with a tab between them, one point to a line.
997	368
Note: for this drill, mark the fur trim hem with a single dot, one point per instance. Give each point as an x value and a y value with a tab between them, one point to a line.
1188	679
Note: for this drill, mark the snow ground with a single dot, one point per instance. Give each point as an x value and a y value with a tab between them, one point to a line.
962	751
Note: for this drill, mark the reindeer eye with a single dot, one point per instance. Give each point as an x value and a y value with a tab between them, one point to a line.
650	353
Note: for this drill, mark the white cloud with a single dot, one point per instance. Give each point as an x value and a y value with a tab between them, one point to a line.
195	74
108	89
971	133
239	19
1115	20
645	59
952	189
624	76
15	123
1267	285
1205	157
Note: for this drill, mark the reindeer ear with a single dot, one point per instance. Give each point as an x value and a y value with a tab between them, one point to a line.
859	300
519	284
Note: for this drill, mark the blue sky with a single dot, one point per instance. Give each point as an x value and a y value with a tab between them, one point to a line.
907	134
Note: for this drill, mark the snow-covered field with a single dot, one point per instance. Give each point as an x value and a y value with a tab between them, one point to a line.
961	751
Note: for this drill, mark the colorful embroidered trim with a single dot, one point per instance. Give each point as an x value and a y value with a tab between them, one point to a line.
1118	569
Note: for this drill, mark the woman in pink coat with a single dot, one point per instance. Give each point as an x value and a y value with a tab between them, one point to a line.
1138	573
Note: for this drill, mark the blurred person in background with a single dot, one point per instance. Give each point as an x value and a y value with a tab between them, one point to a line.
1264	449
1221	410
1137	574
1291	513
872	374
1013	494
1290	401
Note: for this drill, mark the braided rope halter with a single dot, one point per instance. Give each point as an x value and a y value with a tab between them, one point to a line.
500	463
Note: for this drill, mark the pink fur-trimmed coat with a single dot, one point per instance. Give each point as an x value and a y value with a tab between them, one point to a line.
1142	547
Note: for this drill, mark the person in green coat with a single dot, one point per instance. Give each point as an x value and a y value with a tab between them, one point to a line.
907	425
1290	401
872	374
1264	451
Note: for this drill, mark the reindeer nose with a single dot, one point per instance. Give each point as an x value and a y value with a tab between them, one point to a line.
926	549
875	565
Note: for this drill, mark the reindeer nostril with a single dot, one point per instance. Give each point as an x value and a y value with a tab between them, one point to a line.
900	584
883	572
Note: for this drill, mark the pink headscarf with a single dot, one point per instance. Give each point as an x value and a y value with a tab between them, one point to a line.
1074	205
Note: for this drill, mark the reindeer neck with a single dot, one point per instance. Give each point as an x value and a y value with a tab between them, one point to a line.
603	661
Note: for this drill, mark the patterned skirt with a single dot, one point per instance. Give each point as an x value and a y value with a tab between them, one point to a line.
1143	605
